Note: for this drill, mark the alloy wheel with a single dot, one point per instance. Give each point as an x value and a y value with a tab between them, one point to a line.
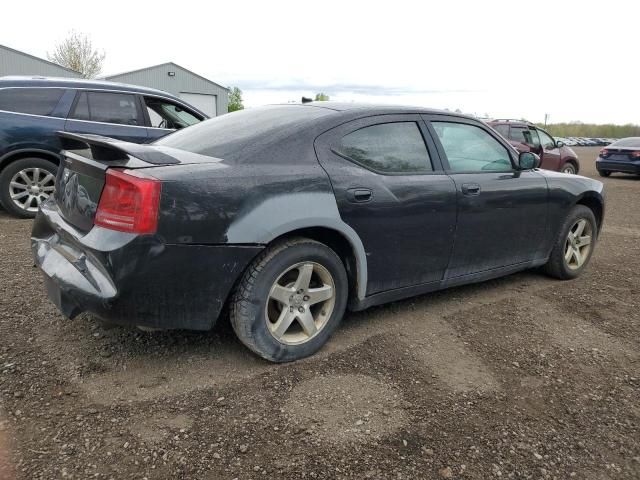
578	244
300	303
569	168
30	187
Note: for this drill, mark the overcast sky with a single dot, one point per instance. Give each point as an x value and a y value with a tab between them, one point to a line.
574	60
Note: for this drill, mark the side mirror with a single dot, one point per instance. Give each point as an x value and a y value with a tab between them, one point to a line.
528	160
559	144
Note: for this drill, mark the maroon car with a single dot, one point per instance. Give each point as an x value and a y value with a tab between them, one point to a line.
526	137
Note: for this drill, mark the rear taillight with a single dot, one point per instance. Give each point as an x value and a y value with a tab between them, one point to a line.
129	203
604	152
635	154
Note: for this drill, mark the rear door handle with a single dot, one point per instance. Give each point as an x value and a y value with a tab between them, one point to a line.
470	189
359	195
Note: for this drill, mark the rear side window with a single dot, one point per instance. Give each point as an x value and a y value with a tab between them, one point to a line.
35	101
107	107
387	148
502	130
525	135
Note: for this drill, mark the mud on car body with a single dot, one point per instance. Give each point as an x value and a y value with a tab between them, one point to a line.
291	214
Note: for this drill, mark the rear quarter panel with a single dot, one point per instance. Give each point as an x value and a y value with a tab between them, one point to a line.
28	132
240	204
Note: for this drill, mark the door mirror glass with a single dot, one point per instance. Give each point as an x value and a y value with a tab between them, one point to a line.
559	144
528	160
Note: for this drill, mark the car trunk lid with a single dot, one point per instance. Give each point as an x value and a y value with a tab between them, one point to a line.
86	159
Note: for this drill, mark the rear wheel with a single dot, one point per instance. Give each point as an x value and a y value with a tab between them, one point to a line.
574	246
604	173
25	184
569	168
290	300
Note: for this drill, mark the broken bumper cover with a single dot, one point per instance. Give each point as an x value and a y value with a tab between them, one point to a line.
131	279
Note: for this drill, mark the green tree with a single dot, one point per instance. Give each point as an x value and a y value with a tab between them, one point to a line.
235	99
591	130
322	97
77	53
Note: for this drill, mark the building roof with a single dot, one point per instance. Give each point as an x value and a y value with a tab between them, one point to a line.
18	52
107	77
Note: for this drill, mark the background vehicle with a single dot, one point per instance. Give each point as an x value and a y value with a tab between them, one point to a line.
568	142
620	156
290	213
32	110
526	137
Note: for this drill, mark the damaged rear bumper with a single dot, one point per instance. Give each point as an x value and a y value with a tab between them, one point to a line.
131	279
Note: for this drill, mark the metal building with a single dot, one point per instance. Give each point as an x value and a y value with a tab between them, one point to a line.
200	92
14	62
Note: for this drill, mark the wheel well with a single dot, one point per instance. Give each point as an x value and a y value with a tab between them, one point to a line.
595	206
338	243
29	154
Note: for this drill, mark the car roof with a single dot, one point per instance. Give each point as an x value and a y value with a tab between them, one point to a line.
508	121
37	81
373	108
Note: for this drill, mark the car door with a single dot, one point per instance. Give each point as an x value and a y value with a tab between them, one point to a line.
164	116
550	155
111	114
502	211
391	189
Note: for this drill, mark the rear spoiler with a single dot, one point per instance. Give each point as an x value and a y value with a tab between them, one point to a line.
105	149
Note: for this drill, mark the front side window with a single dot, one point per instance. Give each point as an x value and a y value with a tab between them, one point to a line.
471	149
107	107
387	148
35	101
545	139
163	114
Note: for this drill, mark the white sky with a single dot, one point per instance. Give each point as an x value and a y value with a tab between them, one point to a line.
575	60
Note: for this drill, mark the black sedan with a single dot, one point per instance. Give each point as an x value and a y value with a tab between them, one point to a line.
621	156
291	214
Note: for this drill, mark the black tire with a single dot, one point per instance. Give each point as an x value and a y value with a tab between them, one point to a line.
557	266
5	179
604	173
249	302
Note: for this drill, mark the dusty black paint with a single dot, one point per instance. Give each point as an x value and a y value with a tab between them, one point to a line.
418	233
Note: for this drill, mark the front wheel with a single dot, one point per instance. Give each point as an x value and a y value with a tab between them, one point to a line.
25	184
569	168
290	300
604	173
574	246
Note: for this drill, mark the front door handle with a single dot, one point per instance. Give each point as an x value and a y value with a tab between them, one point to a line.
470	189
359	195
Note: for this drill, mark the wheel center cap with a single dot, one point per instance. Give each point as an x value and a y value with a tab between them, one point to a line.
296	300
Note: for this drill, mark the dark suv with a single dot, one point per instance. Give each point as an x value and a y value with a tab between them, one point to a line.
32	110
526	137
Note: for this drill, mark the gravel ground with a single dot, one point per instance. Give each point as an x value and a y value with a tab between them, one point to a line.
522	377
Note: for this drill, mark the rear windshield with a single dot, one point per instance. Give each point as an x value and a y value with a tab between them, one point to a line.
627	142
35	101
227	135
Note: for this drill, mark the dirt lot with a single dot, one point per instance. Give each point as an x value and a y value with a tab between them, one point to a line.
523	377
